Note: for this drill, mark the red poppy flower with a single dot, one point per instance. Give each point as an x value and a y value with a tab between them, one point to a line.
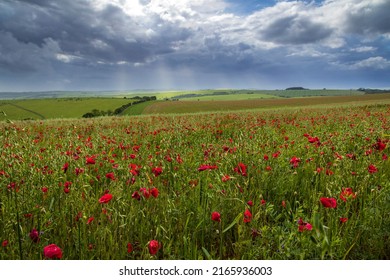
52	251
134	169
207	167
225	178
372	169
347	193
136	195
4	243
90	160
153	246
129	248
379	145
304	226
110	176
247	216
250	203
65	167
294	161
154	192
145	192
157	171
343	220
105	198
241	169
216	216
313	139
328	202
90	219
34	235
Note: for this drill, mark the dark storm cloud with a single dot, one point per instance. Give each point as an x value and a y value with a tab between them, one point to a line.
295	30
124	44
369	19
106	36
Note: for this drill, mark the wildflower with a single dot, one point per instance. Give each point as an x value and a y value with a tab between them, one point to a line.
154	192
157	171
247	216
145	192
379	145
216	216
136	195
328	202
65	167
4	243
225	178
78	171
250	203
153	246
129	248
207	167
294	161
134	169
52	251
105	198
347	193
34	235
343	220
90	160
372	169
110	176
90	220
241	169
304	226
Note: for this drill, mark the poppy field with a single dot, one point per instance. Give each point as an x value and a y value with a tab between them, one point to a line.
309	183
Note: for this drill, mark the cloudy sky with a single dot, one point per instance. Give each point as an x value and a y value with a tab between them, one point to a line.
193	44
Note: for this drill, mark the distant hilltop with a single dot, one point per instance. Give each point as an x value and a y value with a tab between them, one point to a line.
373	90
296	88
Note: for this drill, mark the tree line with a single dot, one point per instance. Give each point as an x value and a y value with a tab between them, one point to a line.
99	113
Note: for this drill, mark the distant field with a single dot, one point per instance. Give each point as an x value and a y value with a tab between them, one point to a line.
242	96
189	102
208	106
56	108
231	94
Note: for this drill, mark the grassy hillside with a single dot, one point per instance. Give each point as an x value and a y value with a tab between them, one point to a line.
56	108
178	107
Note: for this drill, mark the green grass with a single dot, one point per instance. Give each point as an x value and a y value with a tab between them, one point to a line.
137	109
57	108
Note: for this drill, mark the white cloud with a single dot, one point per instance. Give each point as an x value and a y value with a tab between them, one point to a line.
376	62
364	49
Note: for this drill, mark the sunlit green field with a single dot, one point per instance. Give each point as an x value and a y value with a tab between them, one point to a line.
304	183
56	108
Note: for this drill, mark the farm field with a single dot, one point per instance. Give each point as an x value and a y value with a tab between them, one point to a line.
227	105
56	108
304	183
210	100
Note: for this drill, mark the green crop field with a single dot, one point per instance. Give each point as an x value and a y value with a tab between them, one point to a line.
56	108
